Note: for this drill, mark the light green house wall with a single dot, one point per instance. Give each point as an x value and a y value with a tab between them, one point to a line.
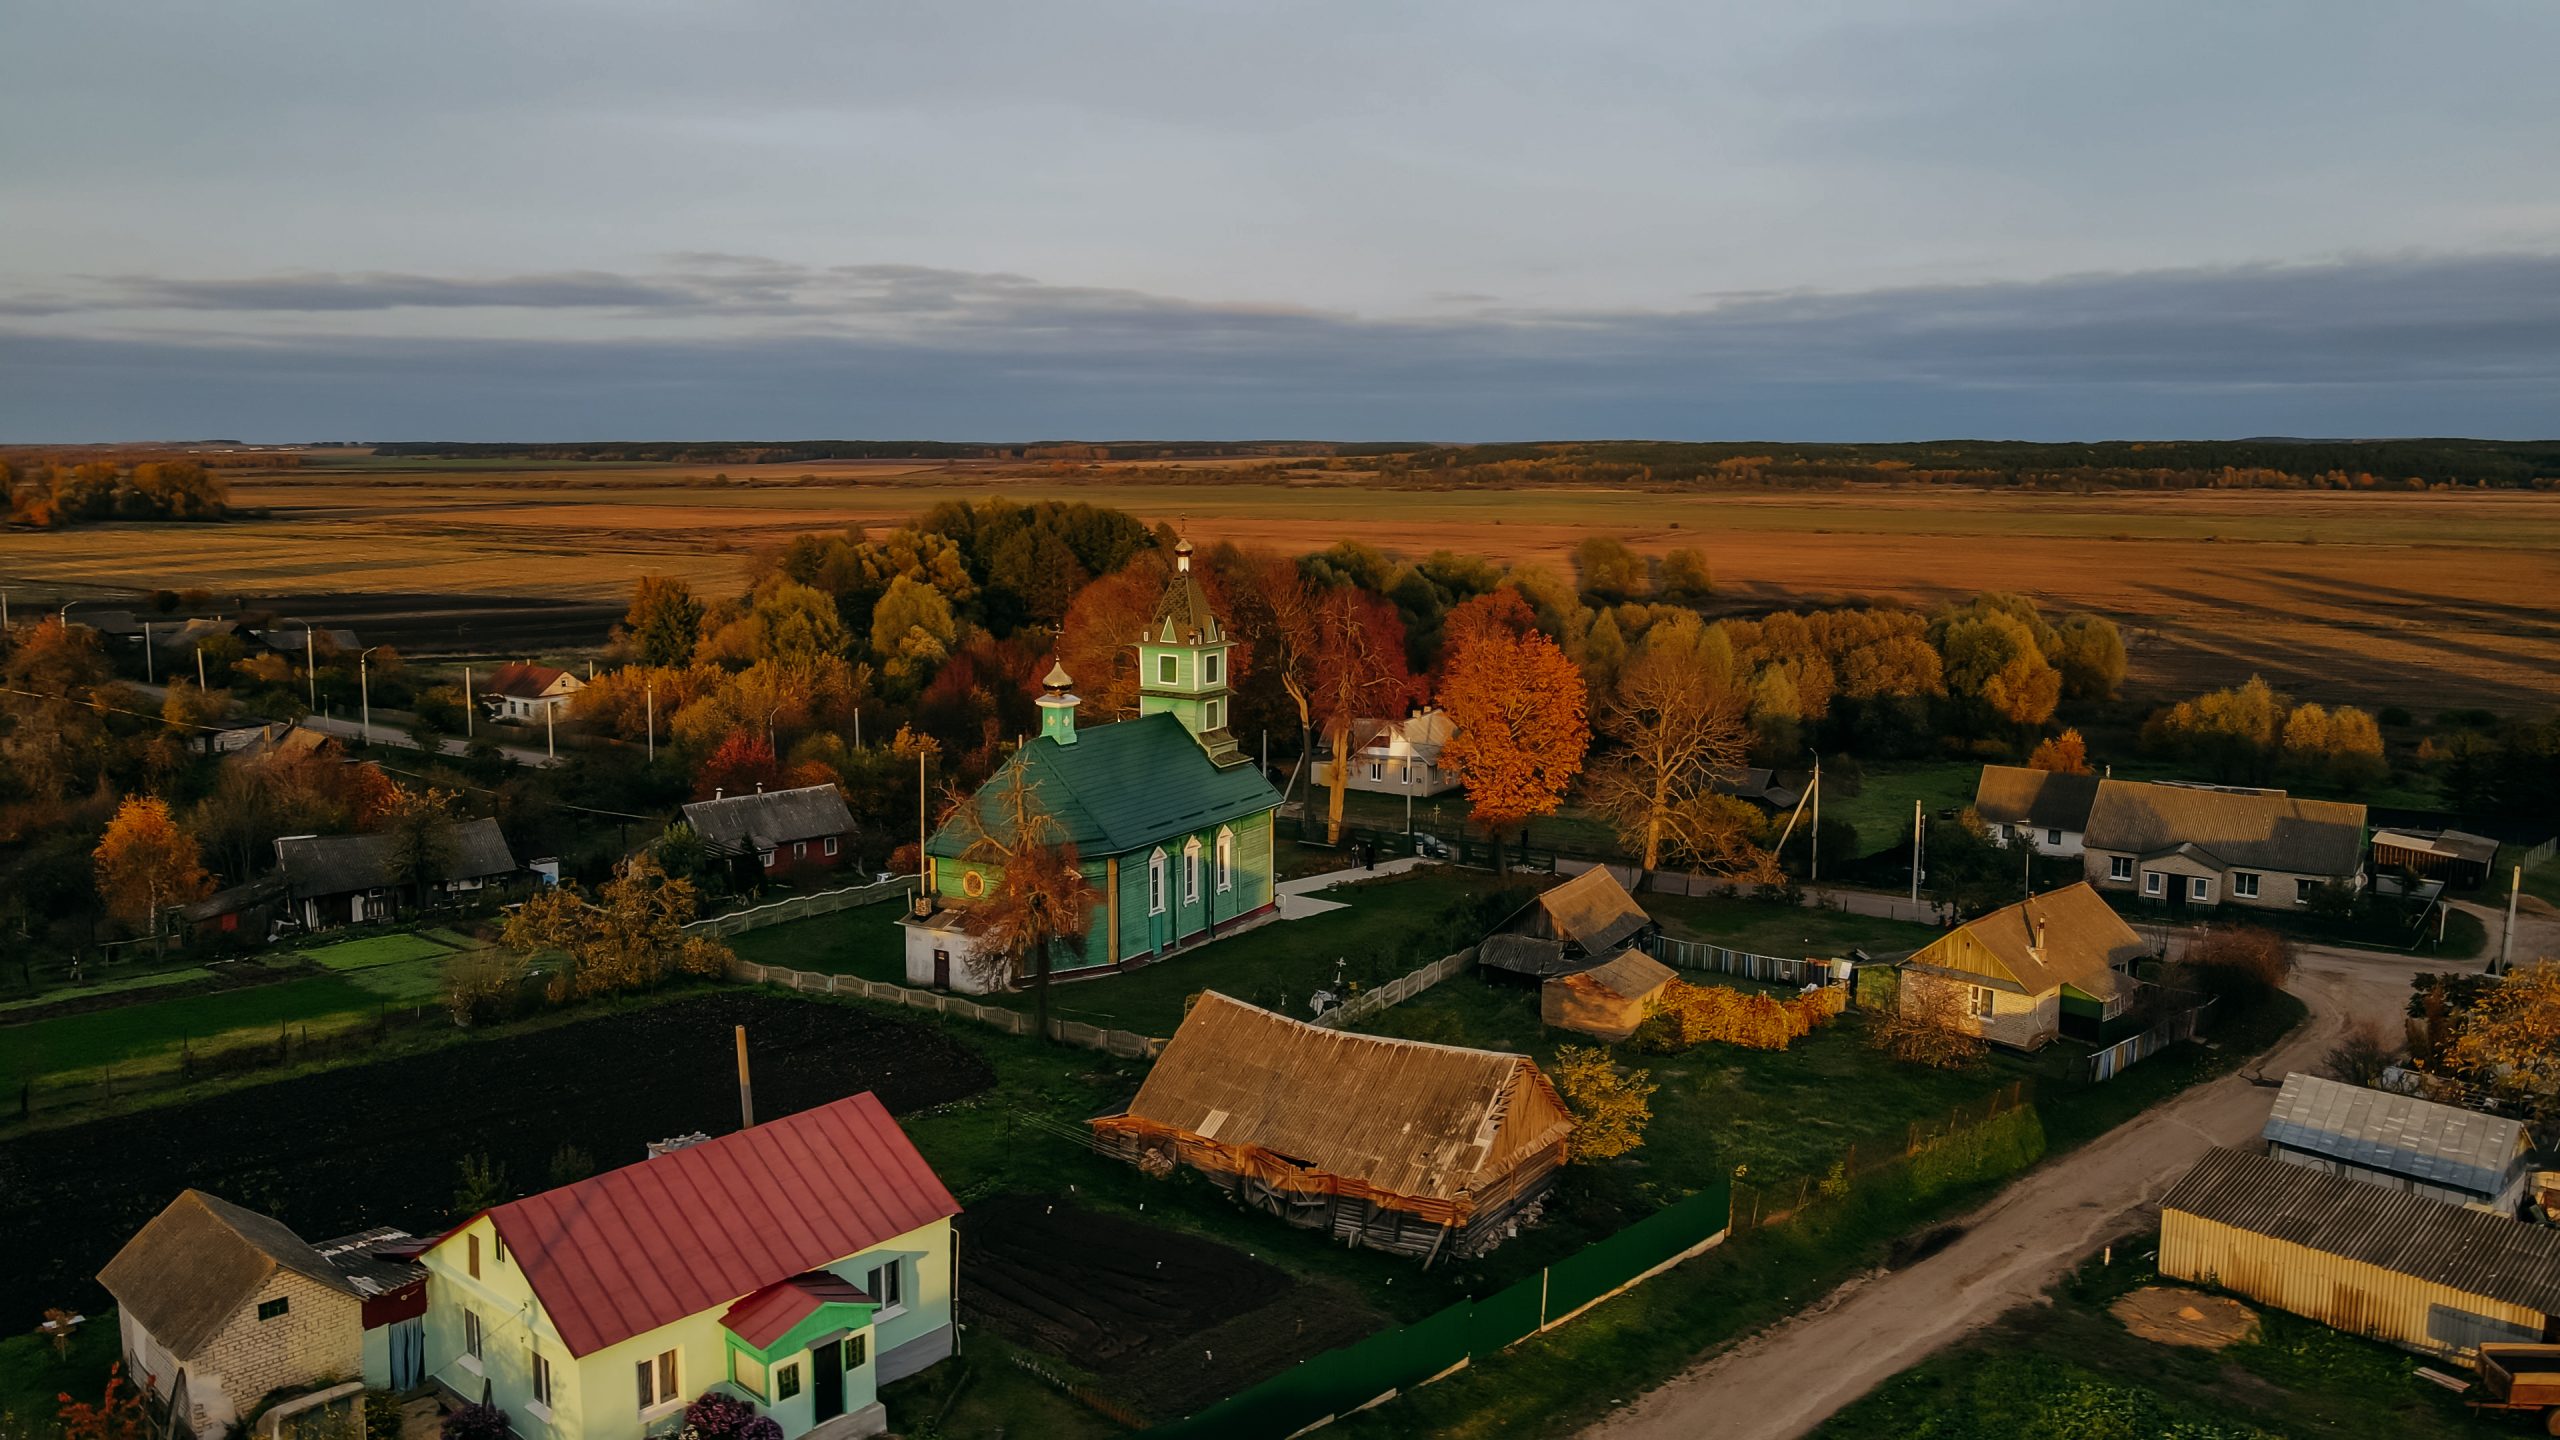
596	1397
1142	930
1191	693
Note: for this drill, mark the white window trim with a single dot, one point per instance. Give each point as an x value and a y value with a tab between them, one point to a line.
538	1411
1210	667
1155	883
2120	867
2153	883
898	1280
675	1400
768	859
1226	858
2244	884
1191	871
1168	670
833	845
1982	1002
2198	888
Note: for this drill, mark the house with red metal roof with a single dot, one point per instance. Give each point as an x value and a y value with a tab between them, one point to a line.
522	690
797	1266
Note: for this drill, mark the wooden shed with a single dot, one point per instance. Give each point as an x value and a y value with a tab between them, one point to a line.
1393	1144
1590	915
1609	999
2420	1273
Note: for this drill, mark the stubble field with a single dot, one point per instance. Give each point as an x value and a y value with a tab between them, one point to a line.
2430	599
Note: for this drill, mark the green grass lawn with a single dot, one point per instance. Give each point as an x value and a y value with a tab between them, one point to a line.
2542	882
150	980
1789	931
864	941
2072	1369
405	968
149	1036
1882	807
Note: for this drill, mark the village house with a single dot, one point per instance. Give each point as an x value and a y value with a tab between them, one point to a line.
2048	811
1570	926
1396	1145
1399	757
2394	1265
2401	1142
2463	861
525	692
221	1307
350	879
797	1266
780	832
2195	847
2028	972
1608	999
1171	823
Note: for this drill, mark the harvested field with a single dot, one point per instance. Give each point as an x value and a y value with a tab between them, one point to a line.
380	1144
1169	1322
2384	597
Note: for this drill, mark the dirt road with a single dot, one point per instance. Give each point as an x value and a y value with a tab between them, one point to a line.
1784	1381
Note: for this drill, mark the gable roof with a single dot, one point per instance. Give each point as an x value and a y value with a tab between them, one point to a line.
1402	1116
1629	975
1120	787
2249	830
767	1315
198	1261
759	821
2400	1134
1533	955
696	1229
2082	942
336	864
2449	1245
2040	799
524	680
1593	910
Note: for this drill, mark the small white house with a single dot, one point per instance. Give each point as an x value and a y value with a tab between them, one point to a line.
524	691
2048	811
1400	757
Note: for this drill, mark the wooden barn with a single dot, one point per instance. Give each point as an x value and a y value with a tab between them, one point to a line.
1398	1145
1570	926
1609	999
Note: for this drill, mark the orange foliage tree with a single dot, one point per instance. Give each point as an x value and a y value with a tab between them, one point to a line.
1523	725
145	864
1360	680
743	763
1098	642
2063	754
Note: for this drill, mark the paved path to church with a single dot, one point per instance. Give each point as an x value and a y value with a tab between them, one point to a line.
1297	897
1788	1379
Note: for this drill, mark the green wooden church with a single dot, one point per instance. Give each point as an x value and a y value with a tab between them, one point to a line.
1171	823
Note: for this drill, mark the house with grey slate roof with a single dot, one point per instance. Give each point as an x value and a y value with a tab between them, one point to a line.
2401	1142
333	880
780	832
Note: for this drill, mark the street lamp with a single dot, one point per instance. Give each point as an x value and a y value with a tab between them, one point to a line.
310	662
364	689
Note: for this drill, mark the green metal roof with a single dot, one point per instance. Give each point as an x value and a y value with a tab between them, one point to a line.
1123	787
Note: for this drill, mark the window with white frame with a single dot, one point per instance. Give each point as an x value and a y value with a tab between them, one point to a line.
541	1379
1981	1002
767	857
1226	859
886	1285
799	849
1191	871
833	844
471	1337
2303	890
1166	668
1216	714
2197	887
2053	837
660	1385
2244	884
1377	769
2151	882
1155	883
1209	667
2119	867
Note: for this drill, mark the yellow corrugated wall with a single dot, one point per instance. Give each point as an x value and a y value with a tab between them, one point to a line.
2344	1294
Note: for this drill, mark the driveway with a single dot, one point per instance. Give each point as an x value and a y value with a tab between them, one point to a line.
1788	1379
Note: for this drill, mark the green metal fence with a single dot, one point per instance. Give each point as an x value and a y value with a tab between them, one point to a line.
1340	1381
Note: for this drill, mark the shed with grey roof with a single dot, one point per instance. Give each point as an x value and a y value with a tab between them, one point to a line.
2416	1272
335	879
2400	1142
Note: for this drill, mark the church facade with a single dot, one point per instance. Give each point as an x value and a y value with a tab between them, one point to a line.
1171	824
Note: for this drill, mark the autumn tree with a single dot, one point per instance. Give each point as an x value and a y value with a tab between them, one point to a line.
1099	641
1682	577
1675	731
1360	681
145	864
1927	1026
1609	571
1611	1107
913	631
420	824
2063	754
743	763
2242	964
1499	612
2233	734
2089	652
1522	727
631	936
664	622
1039	898
1996	668
1274	623
2508	1046
54	740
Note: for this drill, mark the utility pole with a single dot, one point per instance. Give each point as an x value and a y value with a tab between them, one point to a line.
548	752
147	677
922	839
746	1091
364	689
199	667
1915	852
311	664
2507	942
649	708
857	727
470	712
1815	848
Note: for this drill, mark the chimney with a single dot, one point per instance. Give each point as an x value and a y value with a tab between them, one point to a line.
718	790
2035	923
1057	706
759	787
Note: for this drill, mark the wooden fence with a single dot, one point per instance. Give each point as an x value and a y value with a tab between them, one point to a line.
2534	857
2111	1062
801	907
1123	1043
1776	969
1397	991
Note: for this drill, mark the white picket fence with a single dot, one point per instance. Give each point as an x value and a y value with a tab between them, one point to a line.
801	907
1776	969
1397	991
1124	1043
2538	854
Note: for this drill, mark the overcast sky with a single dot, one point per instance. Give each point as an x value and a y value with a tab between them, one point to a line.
1812	220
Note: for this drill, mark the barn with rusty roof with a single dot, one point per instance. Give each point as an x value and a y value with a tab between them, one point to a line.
798	1266
1397	1145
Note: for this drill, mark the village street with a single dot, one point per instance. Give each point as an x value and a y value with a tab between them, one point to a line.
1788	1379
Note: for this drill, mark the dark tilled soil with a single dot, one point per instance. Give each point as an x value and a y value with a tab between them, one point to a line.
381	1144
1168	1321
434	623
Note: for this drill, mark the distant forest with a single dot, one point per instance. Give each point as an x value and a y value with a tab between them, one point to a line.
2162	465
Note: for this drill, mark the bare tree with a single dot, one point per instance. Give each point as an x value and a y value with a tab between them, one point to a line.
1676	730
1038	896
